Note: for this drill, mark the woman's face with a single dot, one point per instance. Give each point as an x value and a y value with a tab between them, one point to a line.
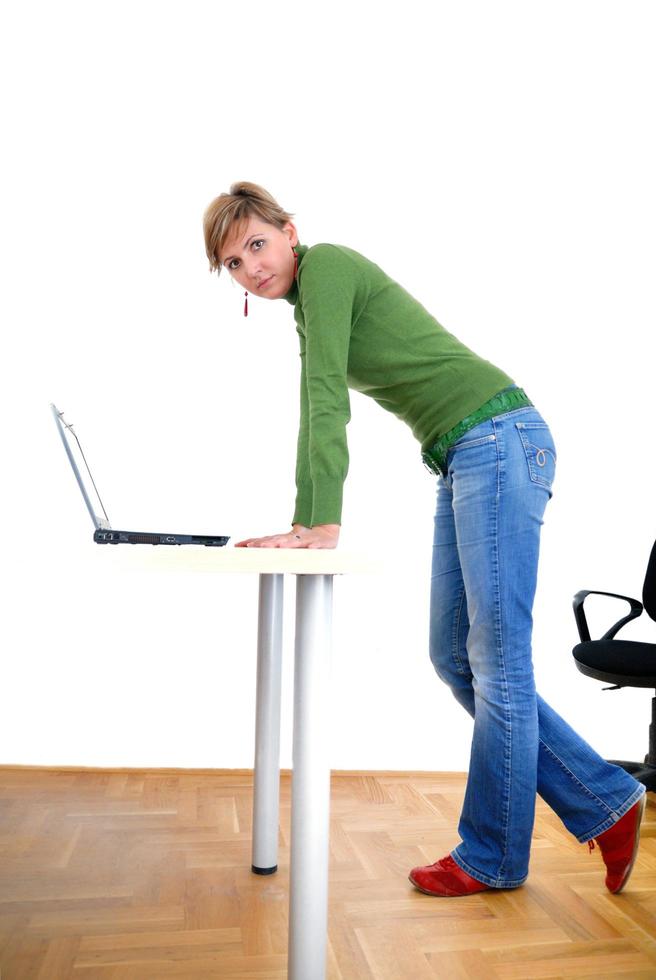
259	256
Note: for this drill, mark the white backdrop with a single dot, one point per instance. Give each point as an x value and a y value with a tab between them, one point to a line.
495	159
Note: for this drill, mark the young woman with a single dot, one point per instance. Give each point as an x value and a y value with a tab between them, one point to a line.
494	458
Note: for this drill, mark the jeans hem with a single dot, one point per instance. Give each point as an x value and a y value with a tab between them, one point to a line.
614	816
492	882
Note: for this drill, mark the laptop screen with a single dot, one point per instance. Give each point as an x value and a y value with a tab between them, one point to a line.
81	470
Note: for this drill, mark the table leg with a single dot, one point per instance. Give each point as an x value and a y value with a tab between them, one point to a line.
310	817
266	783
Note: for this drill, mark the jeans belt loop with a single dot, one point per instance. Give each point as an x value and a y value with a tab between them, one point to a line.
504	401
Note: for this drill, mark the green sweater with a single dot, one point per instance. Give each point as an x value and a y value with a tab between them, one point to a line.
360	329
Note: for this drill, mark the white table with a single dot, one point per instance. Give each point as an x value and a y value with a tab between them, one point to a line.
310	813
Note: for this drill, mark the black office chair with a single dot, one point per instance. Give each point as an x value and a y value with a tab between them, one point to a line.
625	663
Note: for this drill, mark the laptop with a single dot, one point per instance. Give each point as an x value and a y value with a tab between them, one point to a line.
104	533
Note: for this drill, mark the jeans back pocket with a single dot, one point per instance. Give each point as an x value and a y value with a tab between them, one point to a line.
540	452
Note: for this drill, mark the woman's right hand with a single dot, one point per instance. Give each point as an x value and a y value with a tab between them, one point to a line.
319	536
292	539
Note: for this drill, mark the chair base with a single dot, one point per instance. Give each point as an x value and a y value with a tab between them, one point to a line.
644	772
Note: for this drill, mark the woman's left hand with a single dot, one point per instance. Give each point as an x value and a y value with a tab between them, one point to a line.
319	536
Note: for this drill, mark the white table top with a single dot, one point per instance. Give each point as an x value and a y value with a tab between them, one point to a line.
298	561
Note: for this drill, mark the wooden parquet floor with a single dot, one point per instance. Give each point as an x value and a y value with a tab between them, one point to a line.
131	875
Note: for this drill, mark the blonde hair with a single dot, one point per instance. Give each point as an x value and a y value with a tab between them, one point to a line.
243	201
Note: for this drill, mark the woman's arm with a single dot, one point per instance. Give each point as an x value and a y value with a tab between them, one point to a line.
327	291
303	505
327	297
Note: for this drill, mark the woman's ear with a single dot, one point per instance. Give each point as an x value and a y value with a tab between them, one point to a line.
293	238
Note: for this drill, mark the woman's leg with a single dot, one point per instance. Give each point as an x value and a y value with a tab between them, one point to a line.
497	513
487	525
588	793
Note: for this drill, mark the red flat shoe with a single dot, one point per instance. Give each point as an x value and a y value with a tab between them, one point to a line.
445	877
619	846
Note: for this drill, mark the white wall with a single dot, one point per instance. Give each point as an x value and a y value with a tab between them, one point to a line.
496	159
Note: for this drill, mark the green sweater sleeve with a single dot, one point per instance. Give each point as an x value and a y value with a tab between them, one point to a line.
303	510
327	287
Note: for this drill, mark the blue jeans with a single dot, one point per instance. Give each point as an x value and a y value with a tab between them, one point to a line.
491	500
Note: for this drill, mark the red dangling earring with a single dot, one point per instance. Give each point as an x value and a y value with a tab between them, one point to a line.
246	304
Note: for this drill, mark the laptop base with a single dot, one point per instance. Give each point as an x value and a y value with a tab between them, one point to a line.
109	536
